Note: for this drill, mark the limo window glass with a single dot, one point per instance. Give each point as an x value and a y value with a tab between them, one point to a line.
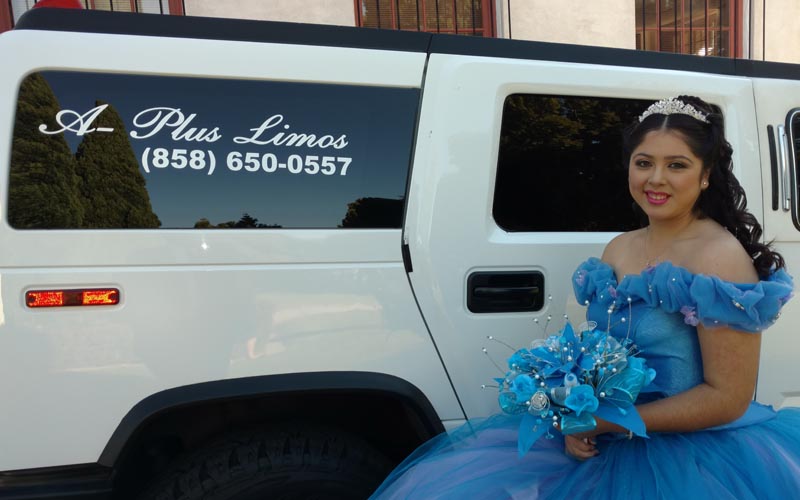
793	122
560	164
115	151
794	133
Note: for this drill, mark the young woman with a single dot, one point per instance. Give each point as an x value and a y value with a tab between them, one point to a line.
698	286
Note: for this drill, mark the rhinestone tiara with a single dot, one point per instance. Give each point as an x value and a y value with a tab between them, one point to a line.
673	106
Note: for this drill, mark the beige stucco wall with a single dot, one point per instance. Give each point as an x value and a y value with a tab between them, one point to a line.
339	12
782	23
609	23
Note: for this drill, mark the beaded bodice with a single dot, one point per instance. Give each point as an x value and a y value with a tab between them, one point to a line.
659	310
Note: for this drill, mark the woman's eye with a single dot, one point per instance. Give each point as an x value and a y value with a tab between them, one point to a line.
642	163
677	165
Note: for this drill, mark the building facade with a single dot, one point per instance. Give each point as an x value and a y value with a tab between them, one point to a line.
750	29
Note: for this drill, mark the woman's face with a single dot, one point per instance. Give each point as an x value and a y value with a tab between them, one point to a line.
664	177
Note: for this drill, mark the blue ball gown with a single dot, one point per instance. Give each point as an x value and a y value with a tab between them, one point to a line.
755	457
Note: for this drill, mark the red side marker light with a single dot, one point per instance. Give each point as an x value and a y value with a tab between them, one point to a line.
79	297
100	297
44	299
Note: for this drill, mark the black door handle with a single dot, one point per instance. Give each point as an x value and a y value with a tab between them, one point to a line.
507	291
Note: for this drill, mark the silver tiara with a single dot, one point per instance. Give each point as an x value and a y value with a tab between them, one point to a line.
673	106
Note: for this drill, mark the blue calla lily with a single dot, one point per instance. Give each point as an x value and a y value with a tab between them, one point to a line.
542	355
568	334
531	428
629	419
520	360
622	388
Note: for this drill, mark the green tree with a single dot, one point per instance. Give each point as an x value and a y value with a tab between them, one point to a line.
571	145
203	223
112	187
247	221
374	212
43	186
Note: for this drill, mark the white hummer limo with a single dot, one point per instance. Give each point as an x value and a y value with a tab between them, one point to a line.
260	257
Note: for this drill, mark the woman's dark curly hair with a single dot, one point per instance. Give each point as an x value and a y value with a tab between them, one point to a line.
724	199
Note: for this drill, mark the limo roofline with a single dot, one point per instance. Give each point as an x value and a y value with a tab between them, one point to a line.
209	28
120	23
609	56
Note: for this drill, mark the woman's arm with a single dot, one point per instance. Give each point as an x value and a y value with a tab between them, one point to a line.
730	367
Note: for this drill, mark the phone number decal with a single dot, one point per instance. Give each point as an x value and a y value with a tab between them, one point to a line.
235	161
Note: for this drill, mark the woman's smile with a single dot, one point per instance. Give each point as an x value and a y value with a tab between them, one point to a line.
665	177
656	198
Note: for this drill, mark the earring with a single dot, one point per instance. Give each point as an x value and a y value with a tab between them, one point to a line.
705	183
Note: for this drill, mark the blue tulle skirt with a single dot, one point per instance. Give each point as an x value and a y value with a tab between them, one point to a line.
480	461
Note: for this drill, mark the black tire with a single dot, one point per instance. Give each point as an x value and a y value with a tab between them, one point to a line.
289	464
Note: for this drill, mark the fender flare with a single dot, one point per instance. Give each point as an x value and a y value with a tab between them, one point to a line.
180	397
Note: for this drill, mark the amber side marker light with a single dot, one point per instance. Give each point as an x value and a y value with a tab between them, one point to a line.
66	298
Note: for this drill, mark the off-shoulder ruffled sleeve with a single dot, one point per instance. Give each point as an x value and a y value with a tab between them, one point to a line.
749	307
591	278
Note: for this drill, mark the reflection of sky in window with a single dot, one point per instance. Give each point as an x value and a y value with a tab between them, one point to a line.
378	123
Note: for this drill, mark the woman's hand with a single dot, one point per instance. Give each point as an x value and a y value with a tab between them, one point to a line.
583	445
580	448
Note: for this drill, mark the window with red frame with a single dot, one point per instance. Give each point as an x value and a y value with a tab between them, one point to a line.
700	27
460	17
8	18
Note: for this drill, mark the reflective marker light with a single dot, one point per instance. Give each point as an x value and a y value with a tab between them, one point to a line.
100	297
45	299
78	297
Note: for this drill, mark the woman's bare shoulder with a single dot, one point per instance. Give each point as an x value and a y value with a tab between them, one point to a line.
718	253
618	248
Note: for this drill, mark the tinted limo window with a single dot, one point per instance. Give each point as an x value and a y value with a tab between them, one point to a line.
560	164
114	151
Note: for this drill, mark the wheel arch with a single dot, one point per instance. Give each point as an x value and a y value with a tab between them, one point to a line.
175	420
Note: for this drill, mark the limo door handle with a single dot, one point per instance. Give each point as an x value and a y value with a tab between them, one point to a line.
509	292
505	291
783	160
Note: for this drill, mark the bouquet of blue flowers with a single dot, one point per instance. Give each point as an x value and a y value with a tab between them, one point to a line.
566	380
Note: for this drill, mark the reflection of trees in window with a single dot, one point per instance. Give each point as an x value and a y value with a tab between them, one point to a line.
100	187
43	185
112	187
374	213
463	17
560	164
245	222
